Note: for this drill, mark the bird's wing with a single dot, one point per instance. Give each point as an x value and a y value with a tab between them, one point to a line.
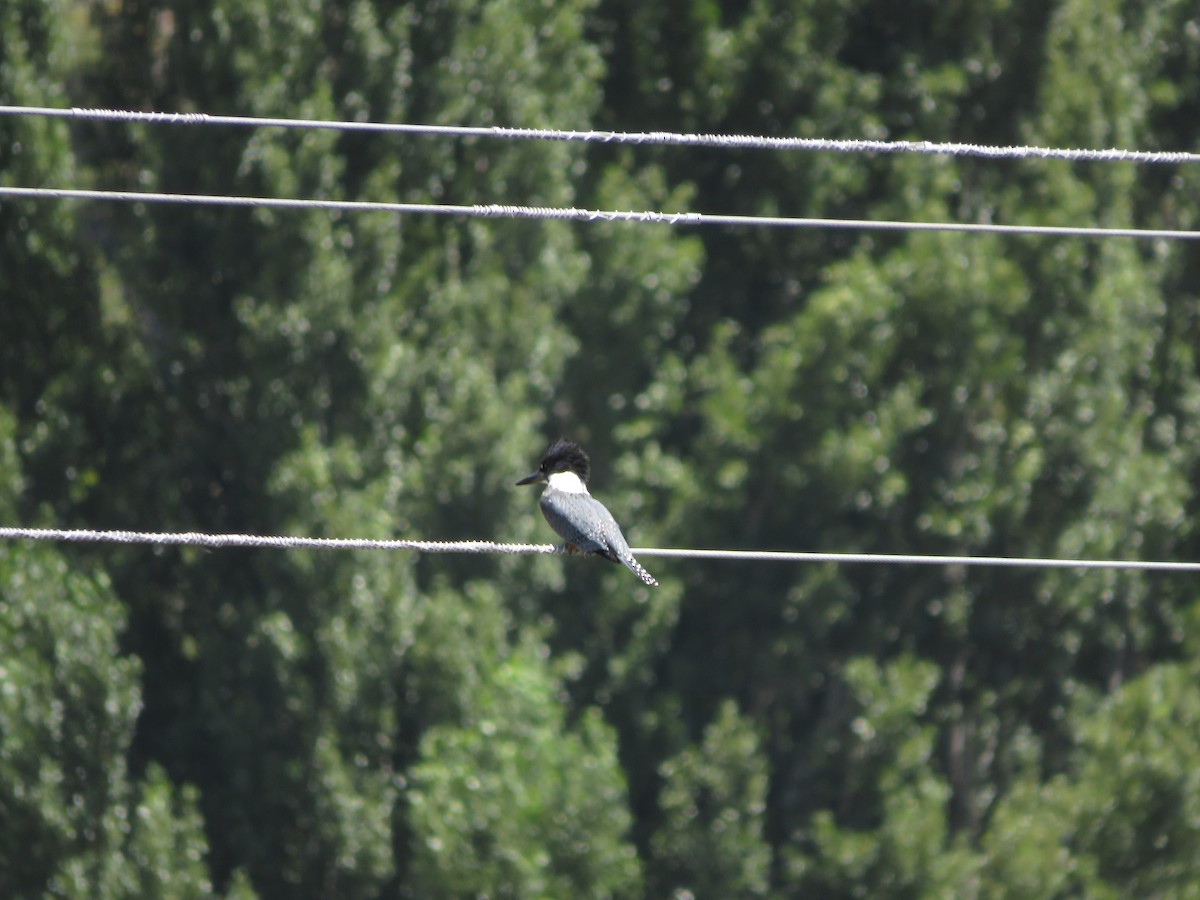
586	523
582	521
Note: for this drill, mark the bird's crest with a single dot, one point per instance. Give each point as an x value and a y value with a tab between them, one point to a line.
566	456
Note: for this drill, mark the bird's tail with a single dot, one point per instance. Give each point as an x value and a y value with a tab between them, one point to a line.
636	568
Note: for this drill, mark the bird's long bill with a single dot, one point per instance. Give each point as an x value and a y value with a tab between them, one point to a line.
531	478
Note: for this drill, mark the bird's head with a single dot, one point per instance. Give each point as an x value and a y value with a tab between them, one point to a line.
561	456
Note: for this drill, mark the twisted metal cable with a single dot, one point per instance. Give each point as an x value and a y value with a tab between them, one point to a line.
508	211
737	141
218	541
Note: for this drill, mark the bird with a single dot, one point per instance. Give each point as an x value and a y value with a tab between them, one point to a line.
579	518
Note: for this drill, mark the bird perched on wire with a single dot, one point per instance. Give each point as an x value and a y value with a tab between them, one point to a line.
581	519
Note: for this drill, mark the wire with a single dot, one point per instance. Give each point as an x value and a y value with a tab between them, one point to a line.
496	210
906	559
738	141
217	541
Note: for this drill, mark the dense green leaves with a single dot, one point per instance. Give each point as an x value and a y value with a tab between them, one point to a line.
504	803
74	822
713	803
309	724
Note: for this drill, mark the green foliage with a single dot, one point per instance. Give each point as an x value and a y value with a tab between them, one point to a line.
1120	823
713	803
898	839
74	823
163	854
507	802
1136	785
11	483
363	724
67	712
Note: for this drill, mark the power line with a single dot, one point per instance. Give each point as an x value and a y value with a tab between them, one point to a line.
908	559
726	141
276	542
219	541
506	211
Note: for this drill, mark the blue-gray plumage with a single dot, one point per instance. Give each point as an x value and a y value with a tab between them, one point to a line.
581	520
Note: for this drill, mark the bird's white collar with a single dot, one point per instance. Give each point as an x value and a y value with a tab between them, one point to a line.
567	482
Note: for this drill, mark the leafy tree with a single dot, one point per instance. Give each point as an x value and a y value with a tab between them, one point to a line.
713	801
1137	821
312	724
73	822
1119	822
896	839
328	375
507	802
925	394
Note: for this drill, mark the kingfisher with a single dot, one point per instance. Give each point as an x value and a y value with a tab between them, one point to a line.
576	515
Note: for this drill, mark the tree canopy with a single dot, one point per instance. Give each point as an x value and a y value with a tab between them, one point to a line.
304	724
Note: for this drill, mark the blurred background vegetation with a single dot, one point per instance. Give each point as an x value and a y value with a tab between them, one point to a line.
177	723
